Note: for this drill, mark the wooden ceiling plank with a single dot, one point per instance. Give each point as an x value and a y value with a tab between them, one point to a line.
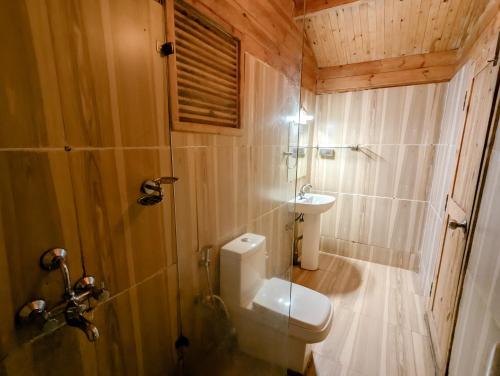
448	27
372	30
396	28
315	42
324	33
423	15
412	26
379	33
315	6
485	29
327	38
429	28
346	39
364	23
367	30
388	29
358	34
341	53
439	25
459	25
470	22
345	22
404	26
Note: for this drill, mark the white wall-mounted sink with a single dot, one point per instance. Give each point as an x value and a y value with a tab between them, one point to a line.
312	205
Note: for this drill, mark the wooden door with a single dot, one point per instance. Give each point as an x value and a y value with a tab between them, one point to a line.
459	207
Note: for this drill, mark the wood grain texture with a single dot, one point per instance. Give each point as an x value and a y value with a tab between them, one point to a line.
378	324
418	76
102	93
86	75
308	7
380	29
399	71
482	39
37	213
267	31
381	189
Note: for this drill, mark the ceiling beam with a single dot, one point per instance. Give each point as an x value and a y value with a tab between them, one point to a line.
398	71
314	6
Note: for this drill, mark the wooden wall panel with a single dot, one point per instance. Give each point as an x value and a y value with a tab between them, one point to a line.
83	122
107	90
29	105
37	213
381	189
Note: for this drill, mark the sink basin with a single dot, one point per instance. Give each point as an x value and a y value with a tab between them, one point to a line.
313	203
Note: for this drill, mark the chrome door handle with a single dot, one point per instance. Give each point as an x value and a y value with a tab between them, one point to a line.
453	225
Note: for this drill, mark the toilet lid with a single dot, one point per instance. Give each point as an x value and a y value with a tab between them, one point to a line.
308	309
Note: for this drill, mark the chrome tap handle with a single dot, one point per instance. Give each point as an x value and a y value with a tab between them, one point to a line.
30	311
51	259
88	284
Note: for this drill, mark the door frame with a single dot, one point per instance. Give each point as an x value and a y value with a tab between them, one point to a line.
492	128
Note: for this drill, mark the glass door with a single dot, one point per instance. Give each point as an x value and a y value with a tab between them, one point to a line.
234	212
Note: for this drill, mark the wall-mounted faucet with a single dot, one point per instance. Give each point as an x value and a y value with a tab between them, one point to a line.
304	189
75	300
153	190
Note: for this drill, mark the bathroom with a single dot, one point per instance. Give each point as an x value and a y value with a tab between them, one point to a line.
234	187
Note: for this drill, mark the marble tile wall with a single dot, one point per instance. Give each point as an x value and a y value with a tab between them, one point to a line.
382	189
444	165
231	185
478	323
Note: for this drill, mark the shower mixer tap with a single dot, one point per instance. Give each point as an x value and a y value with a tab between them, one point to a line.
75	303
153	191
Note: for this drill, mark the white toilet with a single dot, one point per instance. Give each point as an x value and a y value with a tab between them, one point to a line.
275	320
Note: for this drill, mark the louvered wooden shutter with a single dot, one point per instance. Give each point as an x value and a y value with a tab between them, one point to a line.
204	73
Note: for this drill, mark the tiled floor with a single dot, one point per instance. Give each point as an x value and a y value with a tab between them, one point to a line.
378	327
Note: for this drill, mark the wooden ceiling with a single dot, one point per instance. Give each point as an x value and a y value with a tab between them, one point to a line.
367	30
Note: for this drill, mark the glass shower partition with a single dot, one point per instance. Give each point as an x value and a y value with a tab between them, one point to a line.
231	187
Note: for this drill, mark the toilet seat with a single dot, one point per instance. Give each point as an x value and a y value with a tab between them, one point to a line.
310	313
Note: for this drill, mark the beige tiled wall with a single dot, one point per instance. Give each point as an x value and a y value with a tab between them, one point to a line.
478	325
382	189
231	185
444	165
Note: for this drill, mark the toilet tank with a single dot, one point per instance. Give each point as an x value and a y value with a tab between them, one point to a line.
242	269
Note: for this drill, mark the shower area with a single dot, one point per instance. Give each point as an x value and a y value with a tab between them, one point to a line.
134	209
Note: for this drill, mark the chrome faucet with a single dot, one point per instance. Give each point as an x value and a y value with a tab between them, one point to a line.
302	192
75	300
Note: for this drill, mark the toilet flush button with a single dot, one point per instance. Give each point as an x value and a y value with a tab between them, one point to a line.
245	240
